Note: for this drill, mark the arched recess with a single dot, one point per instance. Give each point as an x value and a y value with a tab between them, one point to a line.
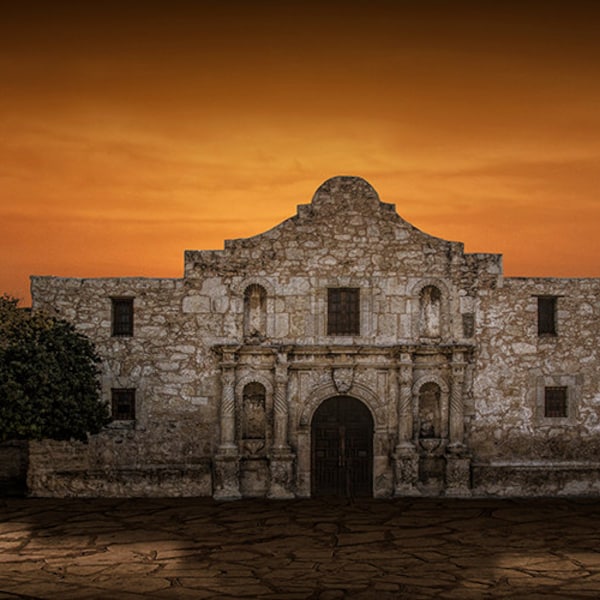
247	408
255	301
323	392
254	411
430	402
255	312
342	448
430	309
381	449
430	312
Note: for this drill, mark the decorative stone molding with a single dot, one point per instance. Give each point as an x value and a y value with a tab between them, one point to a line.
328	390
405	410
343	377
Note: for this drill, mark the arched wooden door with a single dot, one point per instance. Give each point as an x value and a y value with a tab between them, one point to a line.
342	449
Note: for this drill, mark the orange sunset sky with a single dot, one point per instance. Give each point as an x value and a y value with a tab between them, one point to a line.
130	131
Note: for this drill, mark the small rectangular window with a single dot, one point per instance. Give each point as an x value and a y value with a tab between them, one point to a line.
123	404
555	402
122	316
343	311
546	315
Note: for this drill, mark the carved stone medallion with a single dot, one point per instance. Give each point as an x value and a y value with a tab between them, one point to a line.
343	378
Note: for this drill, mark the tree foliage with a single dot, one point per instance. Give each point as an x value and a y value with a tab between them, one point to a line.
48	377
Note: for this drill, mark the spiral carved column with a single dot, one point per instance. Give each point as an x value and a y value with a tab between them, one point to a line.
280	405
458	461
406	459
228	411
405	412
281	465
226	484
456	400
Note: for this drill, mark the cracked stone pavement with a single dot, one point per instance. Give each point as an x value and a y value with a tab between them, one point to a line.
196	548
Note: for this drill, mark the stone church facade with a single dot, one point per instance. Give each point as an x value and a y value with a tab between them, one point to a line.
343	352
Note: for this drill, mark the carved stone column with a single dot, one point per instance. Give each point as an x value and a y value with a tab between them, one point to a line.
405	409
226	463
280	405
456	417
458	460
406	458
281	465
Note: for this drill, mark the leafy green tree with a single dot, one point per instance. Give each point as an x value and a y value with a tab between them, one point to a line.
48	377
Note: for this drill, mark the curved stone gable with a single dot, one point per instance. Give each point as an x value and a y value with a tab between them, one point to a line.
345	226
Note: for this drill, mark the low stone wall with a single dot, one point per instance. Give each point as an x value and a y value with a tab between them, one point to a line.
13	468
62	469
569	478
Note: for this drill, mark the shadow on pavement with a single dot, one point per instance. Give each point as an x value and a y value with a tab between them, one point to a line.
300	549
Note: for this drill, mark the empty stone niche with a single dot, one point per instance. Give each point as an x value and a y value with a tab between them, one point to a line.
430	301
255	312
430	433
254	418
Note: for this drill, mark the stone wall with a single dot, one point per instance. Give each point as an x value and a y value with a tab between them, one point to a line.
173	374
256	313
519	450
66	469
514	364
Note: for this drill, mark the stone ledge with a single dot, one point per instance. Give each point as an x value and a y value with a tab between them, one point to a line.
569	478
154	481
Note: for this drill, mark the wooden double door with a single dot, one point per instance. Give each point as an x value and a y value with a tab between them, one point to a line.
342	449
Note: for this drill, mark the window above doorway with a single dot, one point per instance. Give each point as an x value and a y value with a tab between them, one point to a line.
343	311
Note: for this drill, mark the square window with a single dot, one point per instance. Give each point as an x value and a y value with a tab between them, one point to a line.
555	402
343	311
123	404
546	315
122	316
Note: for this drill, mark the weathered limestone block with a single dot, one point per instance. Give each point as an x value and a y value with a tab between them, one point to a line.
406	471
226	480
458	475
282	476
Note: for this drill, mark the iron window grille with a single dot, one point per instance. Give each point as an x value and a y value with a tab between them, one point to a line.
122	316
123	404
555	402
343	311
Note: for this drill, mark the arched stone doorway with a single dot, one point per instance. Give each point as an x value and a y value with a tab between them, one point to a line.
342	449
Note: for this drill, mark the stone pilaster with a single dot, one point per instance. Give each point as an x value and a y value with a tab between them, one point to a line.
458	460
282	460
456	417
280	405
226	463
405	411
406	458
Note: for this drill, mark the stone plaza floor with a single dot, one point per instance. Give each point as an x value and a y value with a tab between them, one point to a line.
126	549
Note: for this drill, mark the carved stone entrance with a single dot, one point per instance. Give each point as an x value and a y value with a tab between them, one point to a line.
342	449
